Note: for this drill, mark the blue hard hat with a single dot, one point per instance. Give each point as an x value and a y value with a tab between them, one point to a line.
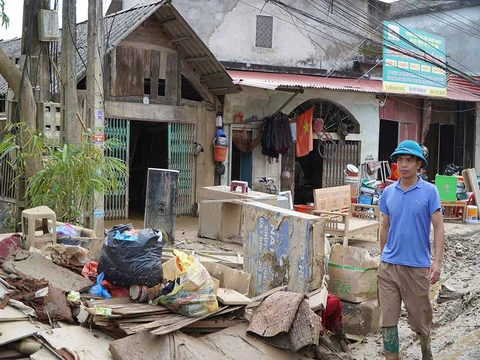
409	147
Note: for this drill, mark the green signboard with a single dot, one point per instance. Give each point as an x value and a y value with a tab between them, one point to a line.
413	61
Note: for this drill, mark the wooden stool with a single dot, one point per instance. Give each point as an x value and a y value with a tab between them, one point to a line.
243	184
29	218
454	210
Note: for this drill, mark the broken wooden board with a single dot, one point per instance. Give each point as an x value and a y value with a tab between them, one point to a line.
43	354
126	307
37	267
232	343
318	299
232	297
11	314
10	332
471	184
88	344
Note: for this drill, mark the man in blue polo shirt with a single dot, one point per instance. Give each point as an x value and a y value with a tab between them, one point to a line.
409	207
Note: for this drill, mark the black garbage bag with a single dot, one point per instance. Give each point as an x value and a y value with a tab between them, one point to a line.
132	260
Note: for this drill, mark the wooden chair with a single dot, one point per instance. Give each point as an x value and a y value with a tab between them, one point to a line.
345	219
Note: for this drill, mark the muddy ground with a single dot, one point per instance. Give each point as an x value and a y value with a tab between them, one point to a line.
456	320
456	329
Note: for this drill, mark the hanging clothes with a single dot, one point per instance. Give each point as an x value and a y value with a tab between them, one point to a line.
277	136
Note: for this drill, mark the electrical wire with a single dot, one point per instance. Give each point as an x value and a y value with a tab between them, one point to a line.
404	52
442	20
395	21
433	110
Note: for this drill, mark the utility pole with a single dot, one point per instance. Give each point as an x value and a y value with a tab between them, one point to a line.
69	73
34	52
95	99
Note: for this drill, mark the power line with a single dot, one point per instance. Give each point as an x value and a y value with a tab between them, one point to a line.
447	67
433	110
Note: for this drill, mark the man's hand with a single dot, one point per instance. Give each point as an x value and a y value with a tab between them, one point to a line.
434	273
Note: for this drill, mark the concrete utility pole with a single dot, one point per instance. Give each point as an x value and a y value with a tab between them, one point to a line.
69	73
35	49
95	99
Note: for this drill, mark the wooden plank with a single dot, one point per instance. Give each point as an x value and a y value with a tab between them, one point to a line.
172	81
473	183
162	74
37	267
11	314
147	64
113	72
151	112
43	354
92	344
194	80
19	330
154	68
232	297
137	79
123	67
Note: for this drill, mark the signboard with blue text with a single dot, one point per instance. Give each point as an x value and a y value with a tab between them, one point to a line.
413	62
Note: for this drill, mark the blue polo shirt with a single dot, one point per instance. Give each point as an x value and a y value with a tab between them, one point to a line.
410	214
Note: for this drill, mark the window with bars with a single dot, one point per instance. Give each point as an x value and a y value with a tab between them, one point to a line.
264	31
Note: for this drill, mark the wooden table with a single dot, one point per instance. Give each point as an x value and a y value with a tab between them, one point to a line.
454	210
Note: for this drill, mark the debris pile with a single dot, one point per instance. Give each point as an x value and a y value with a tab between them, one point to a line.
57	301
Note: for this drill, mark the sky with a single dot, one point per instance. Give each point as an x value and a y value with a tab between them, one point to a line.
15	13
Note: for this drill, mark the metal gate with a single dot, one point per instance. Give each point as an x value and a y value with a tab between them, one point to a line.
347	153
116	203
180	157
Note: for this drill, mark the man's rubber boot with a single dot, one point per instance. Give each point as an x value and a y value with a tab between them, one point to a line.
425	344
390	342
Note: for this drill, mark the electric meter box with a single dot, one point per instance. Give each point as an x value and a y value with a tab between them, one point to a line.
48	25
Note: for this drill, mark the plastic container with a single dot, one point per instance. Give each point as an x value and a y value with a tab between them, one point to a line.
306	209
219	153
354	183
472	215
447	187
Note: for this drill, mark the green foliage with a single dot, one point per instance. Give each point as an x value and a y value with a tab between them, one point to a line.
3	16
70	175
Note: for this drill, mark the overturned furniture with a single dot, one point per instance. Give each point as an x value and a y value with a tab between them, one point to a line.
343	218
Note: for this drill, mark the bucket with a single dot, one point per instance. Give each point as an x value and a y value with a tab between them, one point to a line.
219	153
306	209
472	215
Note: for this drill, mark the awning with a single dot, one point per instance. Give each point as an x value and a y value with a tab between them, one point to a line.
457	88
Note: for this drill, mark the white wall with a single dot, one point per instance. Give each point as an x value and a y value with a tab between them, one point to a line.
228	28
260	102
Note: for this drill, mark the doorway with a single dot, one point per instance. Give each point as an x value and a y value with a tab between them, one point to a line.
388	139
148	149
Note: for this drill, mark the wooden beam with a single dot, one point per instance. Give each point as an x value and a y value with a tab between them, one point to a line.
196	83
171	18
154	71
212	77
181	39
200	58
151	112
173	80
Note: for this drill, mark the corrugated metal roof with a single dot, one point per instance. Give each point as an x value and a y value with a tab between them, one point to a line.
457	88
119	25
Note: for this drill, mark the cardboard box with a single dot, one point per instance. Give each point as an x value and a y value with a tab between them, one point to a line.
282	247
353	274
